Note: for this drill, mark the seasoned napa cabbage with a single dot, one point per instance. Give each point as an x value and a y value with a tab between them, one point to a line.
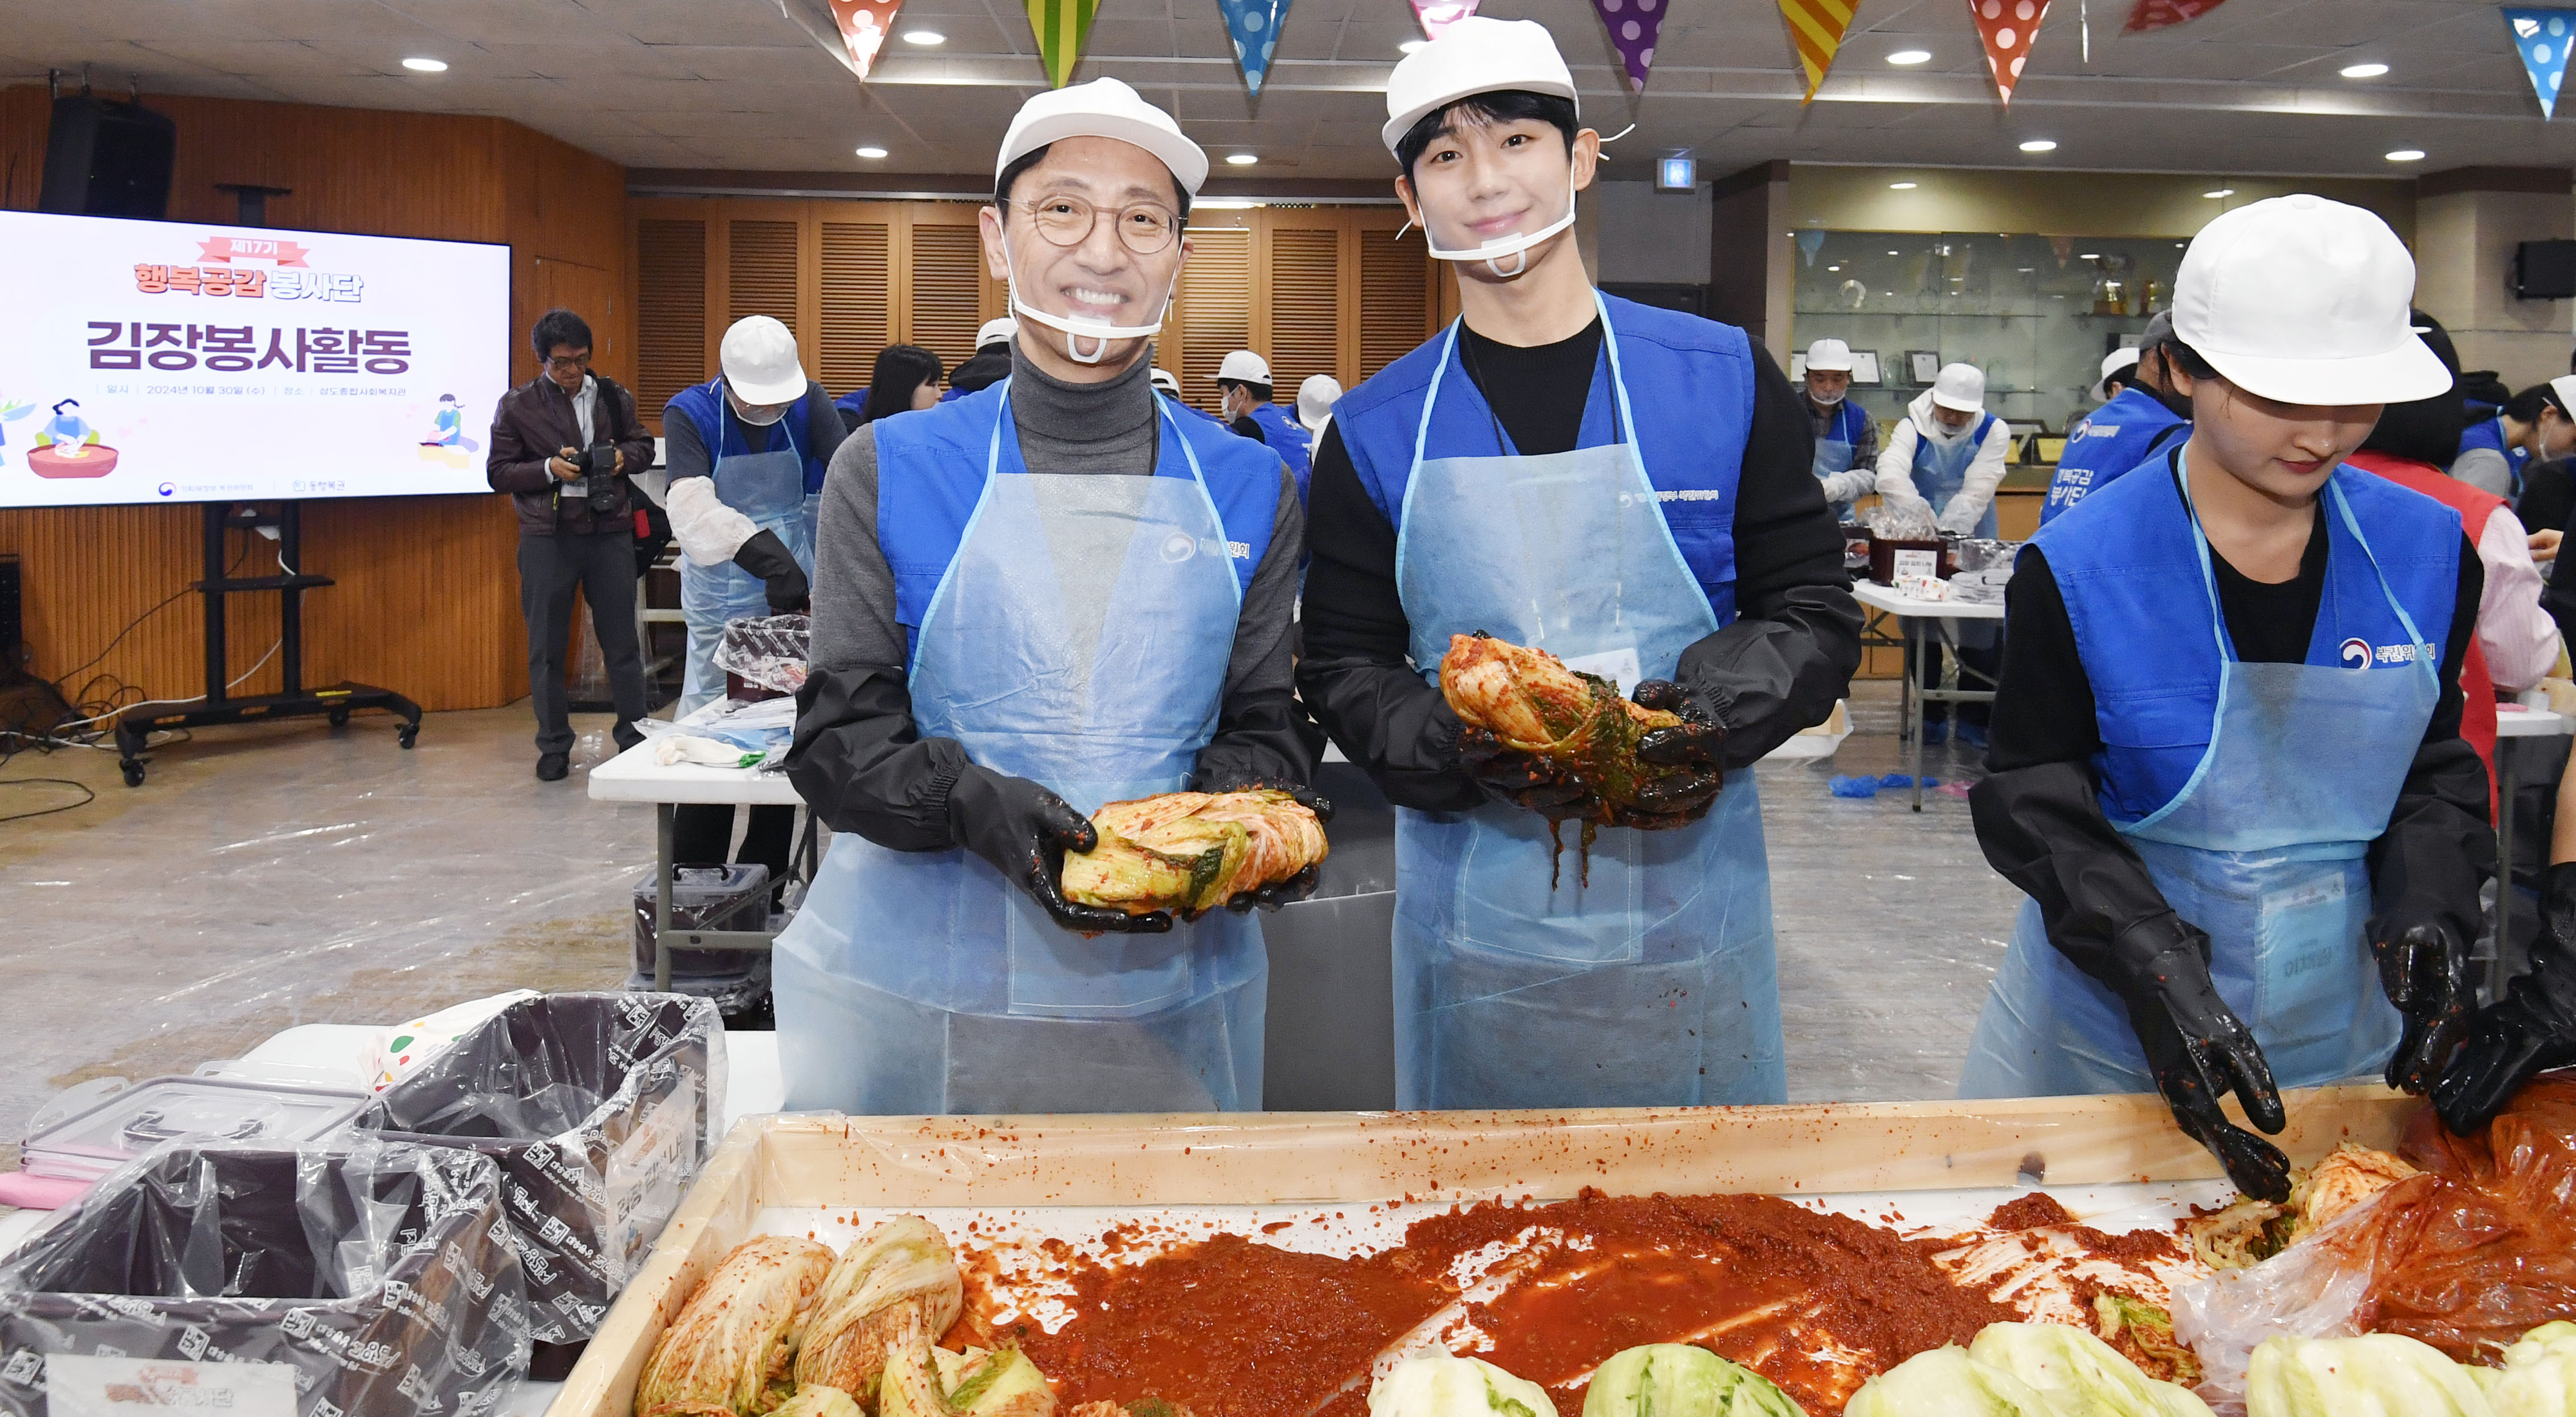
1677	1380
2374	1375
1946	1382
1437	1384
736	1333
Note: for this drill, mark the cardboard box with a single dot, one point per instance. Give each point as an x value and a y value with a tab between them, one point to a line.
1336	1158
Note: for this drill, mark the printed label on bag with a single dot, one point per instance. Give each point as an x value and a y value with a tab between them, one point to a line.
77	1386
1914	563
648	1173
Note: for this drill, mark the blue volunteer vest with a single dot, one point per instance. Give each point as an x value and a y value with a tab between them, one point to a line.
704	407
1288	438
2130	576
1691	378
2484	432
930	475
2111	440
1848	425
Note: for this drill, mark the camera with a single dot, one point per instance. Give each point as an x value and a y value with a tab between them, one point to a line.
599	470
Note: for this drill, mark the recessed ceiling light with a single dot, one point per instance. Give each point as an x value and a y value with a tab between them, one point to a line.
2364	71
872	153
1411	45
2025	270
924	37
2040	145
1900	186
2221	192
420	65
1833	268
2090	256
2407	155
1910	56
1240	159
1896	253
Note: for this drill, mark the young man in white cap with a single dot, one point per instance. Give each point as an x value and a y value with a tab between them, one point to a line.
2227	766
2137	422
1846	436
745	453
1032	601
1632	489
1243	382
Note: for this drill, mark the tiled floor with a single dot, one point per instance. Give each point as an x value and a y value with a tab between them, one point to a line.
288	873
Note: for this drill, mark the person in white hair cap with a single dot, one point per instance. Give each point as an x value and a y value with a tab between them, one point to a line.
1631	489
1846	436
1048	595
2226	766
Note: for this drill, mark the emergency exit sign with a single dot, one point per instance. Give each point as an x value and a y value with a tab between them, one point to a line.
1676	174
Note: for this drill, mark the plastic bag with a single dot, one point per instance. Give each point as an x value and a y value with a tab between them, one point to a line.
600	1108
407	1045
381	1277
2486	1248
770	651
2314	1289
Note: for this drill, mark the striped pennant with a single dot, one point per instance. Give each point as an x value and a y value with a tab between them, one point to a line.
1816	27
1062	26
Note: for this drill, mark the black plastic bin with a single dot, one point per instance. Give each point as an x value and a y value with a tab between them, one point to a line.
380	1277
599	1109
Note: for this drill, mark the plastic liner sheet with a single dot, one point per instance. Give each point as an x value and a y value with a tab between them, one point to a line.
600	1109
375	1278
707	898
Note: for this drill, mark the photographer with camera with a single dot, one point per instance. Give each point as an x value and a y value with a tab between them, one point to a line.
563	446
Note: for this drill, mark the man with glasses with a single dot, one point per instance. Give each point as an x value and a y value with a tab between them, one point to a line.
1048	595
563	446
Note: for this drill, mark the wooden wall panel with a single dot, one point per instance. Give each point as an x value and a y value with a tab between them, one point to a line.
427	600
1395	303
857	285
1305	306
1216	310
946	290
670	311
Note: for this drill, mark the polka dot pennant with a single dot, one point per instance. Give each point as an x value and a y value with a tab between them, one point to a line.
2007	28
1632	25
1253	25
2542	37
2156	14
1436	16
864	27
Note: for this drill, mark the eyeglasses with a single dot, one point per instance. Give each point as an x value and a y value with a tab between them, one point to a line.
576	361
1064	220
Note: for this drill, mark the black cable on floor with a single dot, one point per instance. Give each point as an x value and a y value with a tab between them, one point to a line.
87	796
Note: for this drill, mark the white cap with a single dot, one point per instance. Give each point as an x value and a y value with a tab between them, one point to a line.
1244	367
2113	363
1315	399
1478	54
759	359
1103	108
2305	301
1829	355
1961	388
1165	380
996	331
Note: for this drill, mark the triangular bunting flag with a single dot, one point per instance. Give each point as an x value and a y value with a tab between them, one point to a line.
1253	25
1437	15
864	27
2541	37
2156	14
2007	27
1816	28
1062	26
1632	32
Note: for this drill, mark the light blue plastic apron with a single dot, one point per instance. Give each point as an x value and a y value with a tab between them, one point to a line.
926	982
1941	469
769	488
2263	850
1834	455
1655	984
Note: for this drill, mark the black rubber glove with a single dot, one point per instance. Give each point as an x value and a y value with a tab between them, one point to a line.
765	556
1526	780
1296	887
1695	742
2426	975
1025	830
2531	1029
2198	1051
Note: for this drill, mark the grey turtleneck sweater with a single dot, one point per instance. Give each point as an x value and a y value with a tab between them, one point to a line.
858	758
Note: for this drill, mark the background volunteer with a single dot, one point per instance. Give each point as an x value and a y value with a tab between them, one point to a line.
2240	807
936	966
1514	989
990	364
1243	380
1949	452
1846	436
1315	404
745	454
2138	419
904	377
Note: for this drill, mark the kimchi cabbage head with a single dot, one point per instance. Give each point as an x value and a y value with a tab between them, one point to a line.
1437	1384
902	1268
2373	1375
1192	851
1677	1380
2079	1370
1946	1382
734	1336
1528	699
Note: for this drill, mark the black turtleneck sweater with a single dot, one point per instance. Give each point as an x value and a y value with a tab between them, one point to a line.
858	759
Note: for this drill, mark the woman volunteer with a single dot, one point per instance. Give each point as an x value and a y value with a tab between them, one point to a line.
1038	598
2226	760
1631	489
